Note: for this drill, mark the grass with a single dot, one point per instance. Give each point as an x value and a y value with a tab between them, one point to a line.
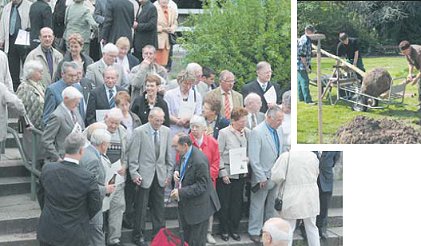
335	116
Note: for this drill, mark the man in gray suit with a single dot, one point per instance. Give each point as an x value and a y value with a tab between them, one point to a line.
264	148
151	165
230	98
91	161
64	120
253	103
95	71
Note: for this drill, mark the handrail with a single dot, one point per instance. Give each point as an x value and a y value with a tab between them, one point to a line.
30	167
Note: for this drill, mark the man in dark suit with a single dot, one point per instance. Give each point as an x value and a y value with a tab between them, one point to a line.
40	15
119	18
63	121
103	96
262	85
145	28
68	196
197	199
327	160
53	96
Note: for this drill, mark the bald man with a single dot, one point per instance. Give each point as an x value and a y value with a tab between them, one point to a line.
276	232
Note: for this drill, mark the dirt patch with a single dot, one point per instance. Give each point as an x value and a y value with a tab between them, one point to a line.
365	130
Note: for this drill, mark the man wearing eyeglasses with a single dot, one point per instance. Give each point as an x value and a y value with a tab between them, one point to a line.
230	98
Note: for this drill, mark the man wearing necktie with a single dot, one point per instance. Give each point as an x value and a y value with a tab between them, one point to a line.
253	103
15	17
64	120
264	149
262	85
103	97
47	55
197	199
151	166
230	98
53	93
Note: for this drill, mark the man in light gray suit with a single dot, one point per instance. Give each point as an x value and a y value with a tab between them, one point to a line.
253	103
151	167
64	120
264	148
95	71
91	161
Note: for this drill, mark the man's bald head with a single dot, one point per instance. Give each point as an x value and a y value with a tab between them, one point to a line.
276	232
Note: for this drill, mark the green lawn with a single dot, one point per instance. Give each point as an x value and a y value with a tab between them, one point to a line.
335	116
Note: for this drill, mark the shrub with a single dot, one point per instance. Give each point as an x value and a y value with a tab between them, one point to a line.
237	34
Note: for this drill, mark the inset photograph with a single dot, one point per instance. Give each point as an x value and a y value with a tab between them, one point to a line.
358	72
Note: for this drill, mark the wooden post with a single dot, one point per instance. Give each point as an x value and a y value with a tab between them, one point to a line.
319	37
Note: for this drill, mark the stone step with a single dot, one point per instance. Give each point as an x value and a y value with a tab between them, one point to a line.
14	185
11	153
12	168
335	238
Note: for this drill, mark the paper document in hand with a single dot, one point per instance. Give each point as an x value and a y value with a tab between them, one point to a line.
270	95
186	110
22	38
238	161
100	114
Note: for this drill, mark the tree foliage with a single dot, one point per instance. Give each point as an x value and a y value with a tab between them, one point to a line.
374	23
237	34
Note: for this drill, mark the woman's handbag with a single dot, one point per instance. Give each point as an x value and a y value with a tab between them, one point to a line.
278	200
173	38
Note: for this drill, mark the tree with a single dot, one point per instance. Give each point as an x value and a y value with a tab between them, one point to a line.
237	34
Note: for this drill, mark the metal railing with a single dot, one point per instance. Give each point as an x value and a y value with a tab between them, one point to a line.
29	165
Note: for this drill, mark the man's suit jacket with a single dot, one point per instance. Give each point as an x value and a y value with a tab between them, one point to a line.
23	11
260	117
198	198
38	55
237	98
326	163
262	152
69	197
133	61
142	160
53	98
220	123
40	15
255	87
119	17
59	125
147	30
98	100
95	72
91	161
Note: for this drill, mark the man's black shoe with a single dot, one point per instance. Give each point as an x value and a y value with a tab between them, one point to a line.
225	237
140	242
115	244
235	236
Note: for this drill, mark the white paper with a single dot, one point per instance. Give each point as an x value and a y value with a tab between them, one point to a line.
238	161
109	172
186	110
270	95
77	128
100	114
22	38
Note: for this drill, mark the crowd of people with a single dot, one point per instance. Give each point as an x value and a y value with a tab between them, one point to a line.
116	132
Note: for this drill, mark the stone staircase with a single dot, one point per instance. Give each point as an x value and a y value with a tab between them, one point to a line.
19	214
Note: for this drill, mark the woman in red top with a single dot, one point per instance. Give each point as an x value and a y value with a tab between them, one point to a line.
209	146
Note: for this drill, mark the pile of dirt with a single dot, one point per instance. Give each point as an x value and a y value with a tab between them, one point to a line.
365	130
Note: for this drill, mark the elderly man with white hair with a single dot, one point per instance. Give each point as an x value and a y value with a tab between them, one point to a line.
64	120
95	71
253	103
92	161
276	232
116	155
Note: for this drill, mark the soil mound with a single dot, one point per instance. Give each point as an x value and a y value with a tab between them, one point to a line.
365	130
